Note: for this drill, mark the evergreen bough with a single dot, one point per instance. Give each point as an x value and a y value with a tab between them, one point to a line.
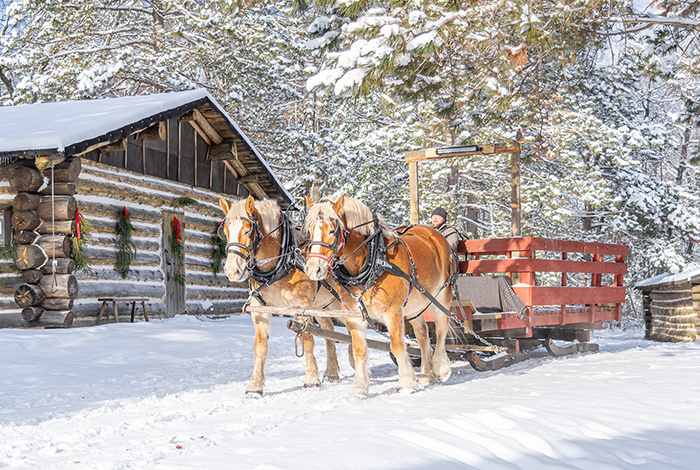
219	253
126	250
79	255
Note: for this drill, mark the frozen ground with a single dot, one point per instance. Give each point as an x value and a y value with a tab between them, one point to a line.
169	394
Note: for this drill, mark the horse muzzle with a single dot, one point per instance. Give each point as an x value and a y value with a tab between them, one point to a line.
317	267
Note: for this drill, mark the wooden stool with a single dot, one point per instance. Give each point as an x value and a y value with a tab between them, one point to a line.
115	311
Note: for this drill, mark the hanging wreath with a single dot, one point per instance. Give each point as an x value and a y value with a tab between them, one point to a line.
126	250
79	255
219	253
176	246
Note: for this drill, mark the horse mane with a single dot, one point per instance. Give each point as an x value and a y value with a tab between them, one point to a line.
269	213
355	212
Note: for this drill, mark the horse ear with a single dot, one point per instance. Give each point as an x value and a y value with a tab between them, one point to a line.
225	206
309	202
338	206
250	206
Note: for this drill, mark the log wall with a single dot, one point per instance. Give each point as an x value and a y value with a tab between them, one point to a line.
10	277
671	312
103	191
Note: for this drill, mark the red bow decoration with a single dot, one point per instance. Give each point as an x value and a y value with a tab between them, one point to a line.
78	219
176	227
126	214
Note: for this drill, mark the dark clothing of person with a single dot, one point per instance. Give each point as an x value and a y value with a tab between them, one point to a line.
450	233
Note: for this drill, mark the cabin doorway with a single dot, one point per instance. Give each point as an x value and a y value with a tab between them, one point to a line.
173	262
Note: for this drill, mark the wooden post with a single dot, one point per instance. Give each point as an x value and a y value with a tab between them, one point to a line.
413	190
179	145
167	149
515	196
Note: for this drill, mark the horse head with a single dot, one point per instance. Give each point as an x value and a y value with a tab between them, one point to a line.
243	234
325	230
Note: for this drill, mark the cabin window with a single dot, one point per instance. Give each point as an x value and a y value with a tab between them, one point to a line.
5	227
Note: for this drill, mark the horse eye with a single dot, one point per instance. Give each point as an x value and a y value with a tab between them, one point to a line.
221	232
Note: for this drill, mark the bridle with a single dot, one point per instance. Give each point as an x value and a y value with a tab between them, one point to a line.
337	247
254	234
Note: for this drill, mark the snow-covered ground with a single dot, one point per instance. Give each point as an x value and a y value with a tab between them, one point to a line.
170	394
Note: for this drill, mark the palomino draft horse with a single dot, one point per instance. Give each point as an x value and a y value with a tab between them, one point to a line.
349	242
260	249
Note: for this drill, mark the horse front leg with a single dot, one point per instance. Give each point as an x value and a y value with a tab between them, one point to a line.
311	379
394	321
357	329
261	321
420	329
332	373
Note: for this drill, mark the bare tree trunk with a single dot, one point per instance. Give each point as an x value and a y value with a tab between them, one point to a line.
7	82
158	28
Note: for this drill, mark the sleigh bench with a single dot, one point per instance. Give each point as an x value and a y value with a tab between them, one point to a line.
115	310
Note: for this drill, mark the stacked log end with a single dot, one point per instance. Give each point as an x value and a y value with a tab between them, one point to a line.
670	313
44	226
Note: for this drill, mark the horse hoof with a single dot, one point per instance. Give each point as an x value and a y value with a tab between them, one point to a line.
405	390
334	379
254	394
444	377
312	385
359	392
424	380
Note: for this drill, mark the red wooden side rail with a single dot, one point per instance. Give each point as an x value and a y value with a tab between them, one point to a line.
553	304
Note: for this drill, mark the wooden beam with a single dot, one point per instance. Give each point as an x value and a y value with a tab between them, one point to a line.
200	131
209	131
116	146
231	169
488	149
515	194
257	190
155	132
413	192
223	151
252	178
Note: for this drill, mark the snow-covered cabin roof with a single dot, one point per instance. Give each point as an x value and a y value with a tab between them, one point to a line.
72	127
685	277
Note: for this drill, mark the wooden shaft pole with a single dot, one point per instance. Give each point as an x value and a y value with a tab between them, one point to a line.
413	190
515	195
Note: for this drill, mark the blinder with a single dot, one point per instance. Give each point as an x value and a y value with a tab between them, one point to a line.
221	233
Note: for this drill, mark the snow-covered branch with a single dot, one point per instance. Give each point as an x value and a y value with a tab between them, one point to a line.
673	21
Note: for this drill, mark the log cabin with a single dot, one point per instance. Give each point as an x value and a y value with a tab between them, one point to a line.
156	164
671	304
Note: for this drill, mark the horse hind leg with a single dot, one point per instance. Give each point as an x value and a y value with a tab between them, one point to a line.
394	321
332	373
262	333
420	329
441	363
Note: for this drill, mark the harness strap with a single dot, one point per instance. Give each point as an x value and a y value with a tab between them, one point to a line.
395	270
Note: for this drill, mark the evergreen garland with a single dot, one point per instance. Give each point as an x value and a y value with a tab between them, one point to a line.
126	250
219	253
183	201
176	246
79	255
7	253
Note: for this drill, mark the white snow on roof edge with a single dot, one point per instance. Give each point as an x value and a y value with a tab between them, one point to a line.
57	125
667	278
